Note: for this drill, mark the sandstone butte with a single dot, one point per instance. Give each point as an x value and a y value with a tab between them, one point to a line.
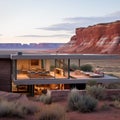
103	38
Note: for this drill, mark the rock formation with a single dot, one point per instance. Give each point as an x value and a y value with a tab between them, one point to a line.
102	38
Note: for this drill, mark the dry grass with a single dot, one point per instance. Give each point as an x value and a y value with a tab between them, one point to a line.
52	112
107	111
17	108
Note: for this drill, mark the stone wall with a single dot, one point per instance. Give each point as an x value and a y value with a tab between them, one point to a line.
58	95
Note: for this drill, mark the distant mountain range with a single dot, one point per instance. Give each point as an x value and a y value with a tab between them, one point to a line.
40	46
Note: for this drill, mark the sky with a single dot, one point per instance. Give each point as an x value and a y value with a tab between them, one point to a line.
52	21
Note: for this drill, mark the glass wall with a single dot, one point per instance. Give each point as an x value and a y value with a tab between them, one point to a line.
41	69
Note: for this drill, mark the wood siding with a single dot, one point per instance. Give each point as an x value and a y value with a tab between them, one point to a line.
5	75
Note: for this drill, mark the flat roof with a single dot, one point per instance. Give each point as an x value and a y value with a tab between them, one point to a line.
2	56
60	56
65	56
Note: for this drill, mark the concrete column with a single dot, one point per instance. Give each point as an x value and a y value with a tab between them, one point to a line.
14	69
55	63
55	67
63	67
42	63
68	68
79	62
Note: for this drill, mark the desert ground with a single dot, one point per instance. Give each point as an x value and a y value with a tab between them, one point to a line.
109	113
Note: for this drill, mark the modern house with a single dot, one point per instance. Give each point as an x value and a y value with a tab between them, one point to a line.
31	73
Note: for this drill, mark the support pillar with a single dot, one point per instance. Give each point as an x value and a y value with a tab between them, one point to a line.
63	67
42	63
55	63
68	68
31	90
55	68
79	62
14	69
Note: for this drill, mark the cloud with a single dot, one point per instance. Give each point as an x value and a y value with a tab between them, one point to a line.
115	14
56	35
109	17
29	36
60	27
70	24
1	35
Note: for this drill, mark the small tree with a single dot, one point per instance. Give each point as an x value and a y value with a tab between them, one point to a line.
74	67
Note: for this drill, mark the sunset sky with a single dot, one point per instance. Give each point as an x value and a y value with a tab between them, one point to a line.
38	21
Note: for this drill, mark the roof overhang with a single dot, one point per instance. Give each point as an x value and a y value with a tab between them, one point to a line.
4	56
64	56
64	81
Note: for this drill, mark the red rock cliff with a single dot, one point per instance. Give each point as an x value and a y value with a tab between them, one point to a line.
100	38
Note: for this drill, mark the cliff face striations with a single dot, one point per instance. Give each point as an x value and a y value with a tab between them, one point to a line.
102	38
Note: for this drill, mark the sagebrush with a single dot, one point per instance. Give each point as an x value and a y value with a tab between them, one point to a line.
52	112
16	109
46	98
96	91
82	103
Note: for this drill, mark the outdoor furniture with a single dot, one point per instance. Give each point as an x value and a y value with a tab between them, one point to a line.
37	74
94	75
44	73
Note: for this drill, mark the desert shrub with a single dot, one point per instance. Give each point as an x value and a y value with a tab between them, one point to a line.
73	99
114	97
28	108
9	109
16	109
105	107
82	103
86	103
96	91
117	104
52	112
46	98
4	108
86	67
74	67
113	86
